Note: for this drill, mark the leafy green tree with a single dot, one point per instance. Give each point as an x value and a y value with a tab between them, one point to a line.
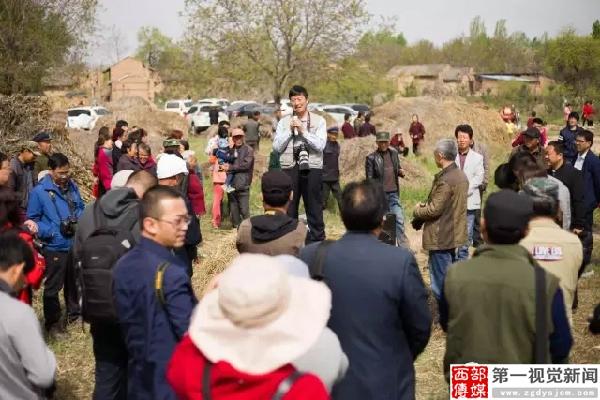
37	35
574	60
276	41
596	29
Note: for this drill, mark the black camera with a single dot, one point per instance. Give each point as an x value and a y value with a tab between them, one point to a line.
68	227
301	157
417	224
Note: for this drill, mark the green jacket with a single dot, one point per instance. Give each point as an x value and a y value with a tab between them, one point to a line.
41	164
491	307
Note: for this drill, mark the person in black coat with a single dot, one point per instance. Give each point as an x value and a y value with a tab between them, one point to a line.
380	311
331	168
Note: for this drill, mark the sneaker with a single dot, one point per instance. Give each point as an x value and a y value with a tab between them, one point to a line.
229	189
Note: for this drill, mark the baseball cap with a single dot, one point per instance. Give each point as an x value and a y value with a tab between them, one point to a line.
382	137
32	147
42	137
237	132
508	210
541	188
333	129
171	143
170	165
532	132
276	181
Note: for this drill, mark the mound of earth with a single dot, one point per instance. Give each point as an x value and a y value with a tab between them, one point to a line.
440	117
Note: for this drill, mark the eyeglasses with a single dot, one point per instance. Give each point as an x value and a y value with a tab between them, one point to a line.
580	141
63	175
182	220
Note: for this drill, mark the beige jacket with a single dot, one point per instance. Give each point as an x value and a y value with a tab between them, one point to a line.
558	252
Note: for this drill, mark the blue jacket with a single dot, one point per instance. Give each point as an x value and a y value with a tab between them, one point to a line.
568	136
379	312
151	331
591	181
48	213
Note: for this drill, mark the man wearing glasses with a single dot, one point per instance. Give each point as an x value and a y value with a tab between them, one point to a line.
153	293
55	205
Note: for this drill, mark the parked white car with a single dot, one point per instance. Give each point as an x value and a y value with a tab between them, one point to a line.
286	106
213	100
178	106
337	112
84	117
199	119
315	106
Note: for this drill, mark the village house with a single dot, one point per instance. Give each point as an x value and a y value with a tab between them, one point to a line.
492	84
432	79
129	77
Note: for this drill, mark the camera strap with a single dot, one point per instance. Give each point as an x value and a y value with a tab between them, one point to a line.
53	198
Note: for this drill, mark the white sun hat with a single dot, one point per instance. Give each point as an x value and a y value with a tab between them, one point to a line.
259	318
170	165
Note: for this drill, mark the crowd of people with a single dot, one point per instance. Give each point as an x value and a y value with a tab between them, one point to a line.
295	315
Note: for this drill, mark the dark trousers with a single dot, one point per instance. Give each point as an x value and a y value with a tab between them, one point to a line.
254	145
239	206
333	187
477	239
587	242
60	273
110	353
415	148
308	185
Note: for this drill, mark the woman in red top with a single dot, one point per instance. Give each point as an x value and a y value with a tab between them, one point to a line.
417	133
588	113
9	220
103	165
195	190
245	334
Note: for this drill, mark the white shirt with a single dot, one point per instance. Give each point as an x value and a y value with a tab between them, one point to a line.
580	159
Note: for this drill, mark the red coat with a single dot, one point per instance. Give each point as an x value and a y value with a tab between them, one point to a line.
348	131
588	111
103	168
416	131
184	374
33	279
195	193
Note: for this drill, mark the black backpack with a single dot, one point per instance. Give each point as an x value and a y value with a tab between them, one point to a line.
99	254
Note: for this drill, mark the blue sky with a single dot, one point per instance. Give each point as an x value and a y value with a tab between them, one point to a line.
435	20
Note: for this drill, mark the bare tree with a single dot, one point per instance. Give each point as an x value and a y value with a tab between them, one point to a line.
115	44
276	39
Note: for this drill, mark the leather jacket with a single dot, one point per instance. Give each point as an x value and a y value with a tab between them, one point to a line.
374	166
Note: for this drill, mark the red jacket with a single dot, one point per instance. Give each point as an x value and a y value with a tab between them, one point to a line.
416	131
184	374
588	111
195	193
521	140
348	131
33	279
103	168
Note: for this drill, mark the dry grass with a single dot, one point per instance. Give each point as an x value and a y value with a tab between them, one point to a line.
75	359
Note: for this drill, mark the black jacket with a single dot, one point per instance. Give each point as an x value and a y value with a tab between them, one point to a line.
242	167
331	157
573	180
374	166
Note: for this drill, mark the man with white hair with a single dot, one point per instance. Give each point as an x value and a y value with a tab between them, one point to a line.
444	215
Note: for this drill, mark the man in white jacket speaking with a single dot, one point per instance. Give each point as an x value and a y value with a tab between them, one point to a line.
299	140
471	163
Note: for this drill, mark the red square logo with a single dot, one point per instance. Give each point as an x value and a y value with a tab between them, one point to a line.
469	382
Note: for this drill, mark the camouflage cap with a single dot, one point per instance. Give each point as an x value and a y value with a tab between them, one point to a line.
171	143
32	147
541	188
382	137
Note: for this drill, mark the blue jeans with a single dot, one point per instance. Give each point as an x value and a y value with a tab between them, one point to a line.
439	261
394	207
463	251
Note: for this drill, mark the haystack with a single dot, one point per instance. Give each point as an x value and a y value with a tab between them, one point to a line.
21	117
440	117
